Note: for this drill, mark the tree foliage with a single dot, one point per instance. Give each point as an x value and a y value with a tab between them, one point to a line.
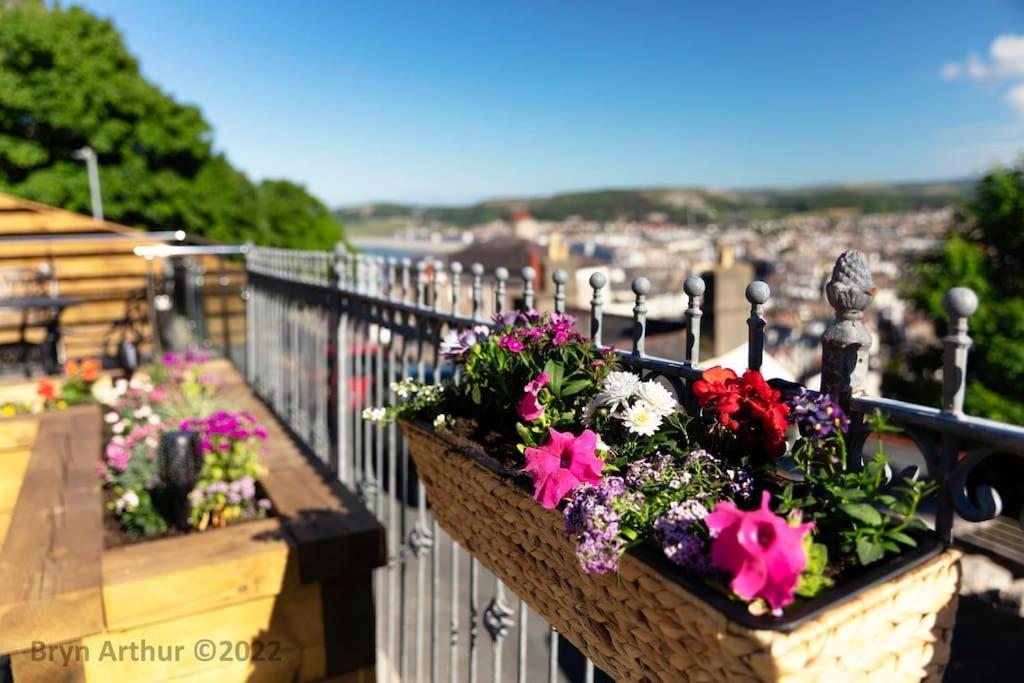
987	255
67	81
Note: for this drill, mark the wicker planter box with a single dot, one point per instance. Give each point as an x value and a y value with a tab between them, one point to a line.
650	623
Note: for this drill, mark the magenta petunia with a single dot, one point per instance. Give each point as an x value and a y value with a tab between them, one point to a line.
764	554
529	406
561	464
510	343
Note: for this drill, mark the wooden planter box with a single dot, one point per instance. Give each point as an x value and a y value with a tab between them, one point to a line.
283	598
651	623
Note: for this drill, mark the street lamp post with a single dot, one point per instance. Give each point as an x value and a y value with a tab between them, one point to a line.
88	155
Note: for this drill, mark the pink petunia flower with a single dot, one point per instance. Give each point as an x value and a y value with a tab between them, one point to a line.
529	407
760	549
511	343
561	464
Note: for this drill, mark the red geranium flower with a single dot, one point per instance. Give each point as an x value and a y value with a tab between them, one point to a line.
746	405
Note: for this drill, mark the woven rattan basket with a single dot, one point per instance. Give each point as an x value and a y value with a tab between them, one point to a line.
644	624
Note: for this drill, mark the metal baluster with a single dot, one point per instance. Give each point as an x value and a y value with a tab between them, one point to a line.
521	646
560	277
552	655
478	290
588	672
474	615
453	610
404	531
597	283
497	620
757	294
694	287
501	278
341	266
960	304
435	557
641	286
420	539
529	275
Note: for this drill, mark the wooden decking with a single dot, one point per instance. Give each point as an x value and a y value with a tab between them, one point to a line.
300	579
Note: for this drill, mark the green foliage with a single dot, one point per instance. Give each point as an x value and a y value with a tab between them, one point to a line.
987	255
856	512
142	519
67	80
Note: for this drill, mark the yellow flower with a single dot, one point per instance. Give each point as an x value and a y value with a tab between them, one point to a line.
9	410
62	404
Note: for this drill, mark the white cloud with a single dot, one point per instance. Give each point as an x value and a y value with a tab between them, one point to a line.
1015	98
1005	60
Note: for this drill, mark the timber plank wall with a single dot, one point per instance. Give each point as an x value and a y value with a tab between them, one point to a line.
299	582
93	261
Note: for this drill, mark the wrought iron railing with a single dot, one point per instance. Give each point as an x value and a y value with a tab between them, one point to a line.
329	333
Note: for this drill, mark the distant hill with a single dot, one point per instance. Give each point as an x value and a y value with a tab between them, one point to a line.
678	205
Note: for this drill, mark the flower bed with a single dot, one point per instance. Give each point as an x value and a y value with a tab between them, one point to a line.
718	511
177	395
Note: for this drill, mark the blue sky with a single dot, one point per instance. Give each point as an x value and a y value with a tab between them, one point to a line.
456	101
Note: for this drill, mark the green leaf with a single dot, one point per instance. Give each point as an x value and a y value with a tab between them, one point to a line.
901	537
477	399
555	372
868	551
862	512
524	434
574	387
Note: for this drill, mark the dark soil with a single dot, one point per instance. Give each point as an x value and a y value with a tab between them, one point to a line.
476	434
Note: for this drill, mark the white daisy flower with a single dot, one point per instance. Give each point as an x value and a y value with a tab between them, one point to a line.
374	414
617	389
143	412
111	417
641	419
657	397
440	421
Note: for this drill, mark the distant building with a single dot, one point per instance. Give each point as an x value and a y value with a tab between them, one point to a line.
524	226
725	304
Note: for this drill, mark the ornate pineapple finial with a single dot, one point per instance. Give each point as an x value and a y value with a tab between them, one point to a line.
846	342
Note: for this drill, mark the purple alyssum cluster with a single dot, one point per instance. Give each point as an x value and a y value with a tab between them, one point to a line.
242	490
680	540
817	415
592	516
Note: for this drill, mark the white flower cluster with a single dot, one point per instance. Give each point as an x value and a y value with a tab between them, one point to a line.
128	501
640	405
409	387
375	414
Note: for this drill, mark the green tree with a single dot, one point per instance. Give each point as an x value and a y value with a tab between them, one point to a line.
987	255
66	81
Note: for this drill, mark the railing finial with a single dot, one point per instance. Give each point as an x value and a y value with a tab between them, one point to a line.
529	275
456	270
960	304
641	287
846	342
560	277
694	288
501	277
757	294
597	283
478	289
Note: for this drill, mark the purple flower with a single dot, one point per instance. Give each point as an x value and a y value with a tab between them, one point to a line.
457	344
647	471
679	540
592	516
817	415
